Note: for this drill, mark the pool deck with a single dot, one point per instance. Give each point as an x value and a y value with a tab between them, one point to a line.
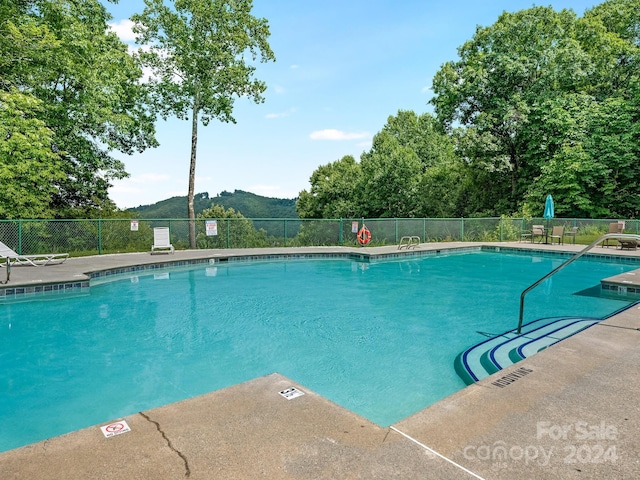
570	411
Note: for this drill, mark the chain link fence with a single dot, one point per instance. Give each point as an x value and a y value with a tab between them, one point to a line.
101	236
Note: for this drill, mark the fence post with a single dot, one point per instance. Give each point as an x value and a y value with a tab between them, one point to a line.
462	229
99	236
501	236
340	241
228	232
285	232
20	237
424	229
396	222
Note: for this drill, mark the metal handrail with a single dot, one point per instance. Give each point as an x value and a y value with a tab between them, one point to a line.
621	236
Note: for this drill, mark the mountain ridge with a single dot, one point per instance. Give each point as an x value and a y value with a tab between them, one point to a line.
250	205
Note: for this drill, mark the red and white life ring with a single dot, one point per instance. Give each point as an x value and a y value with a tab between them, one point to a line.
364	235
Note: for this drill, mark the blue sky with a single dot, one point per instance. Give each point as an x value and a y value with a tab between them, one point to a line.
342	68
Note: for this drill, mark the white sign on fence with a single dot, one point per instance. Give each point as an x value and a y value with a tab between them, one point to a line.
211	227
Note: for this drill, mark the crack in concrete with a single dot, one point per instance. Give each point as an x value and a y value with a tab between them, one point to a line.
187	472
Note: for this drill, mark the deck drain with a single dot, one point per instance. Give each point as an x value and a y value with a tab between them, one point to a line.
291	393
512	377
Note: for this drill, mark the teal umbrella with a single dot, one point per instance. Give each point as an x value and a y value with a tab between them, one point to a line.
548	214
549	208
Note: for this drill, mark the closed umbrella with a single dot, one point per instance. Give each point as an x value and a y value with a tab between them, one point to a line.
548	212
549	208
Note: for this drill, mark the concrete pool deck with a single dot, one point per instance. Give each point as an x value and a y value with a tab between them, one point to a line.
570	411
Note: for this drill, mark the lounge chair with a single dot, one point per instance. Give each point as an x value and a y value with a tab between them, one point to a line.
628	243
614	227
557	233
33	260
161	241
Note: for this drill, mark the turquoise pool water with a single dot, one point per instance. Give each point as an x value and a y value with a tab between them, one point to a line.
377	338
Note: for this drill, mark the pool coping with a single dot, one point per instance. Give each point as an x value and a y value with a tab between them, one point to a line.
482	431
78	273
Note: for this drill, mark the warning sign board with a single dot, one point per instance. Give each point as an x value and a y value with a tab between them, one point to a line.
211	227
291	393
115	428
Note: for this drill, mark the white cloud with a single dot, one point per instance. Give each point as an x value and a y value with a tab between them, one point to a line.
294	67
291	111
123	29
279	89
333	134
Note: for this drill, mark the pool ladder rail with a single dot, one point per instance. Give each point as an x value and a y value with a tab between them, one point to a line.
619	236
500	351
494	354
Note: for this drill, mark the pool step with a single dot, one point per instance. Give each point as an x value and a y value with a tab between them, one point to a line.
500	351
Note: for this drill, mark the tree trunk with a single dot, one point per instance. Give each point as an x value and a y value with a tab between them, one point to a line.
192	176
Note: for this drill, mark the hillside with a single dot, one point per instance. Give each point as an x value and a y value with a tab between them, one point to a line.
248	204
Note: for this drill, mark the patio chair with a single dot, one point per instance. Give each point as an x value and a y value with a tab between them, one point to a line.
614	227
557	233
161	241
537	231
33	260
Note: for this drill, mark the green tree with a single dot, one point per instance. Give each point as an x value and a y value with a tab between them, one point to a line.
333	192
610	33
63	53
232	226
445	191
410	159
422	134
28	166
441	178
197	50
502	75
592	171
390	177
545	102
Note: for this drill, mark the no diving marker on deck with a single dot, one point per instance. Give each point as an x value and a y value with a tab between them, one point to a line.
291	393
115	428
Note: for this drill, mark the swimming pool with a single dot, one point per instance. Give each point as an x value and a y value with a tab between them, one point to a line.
377	338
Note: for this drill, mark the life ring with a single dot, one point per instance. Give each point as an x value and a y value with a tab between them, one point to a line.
364	235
